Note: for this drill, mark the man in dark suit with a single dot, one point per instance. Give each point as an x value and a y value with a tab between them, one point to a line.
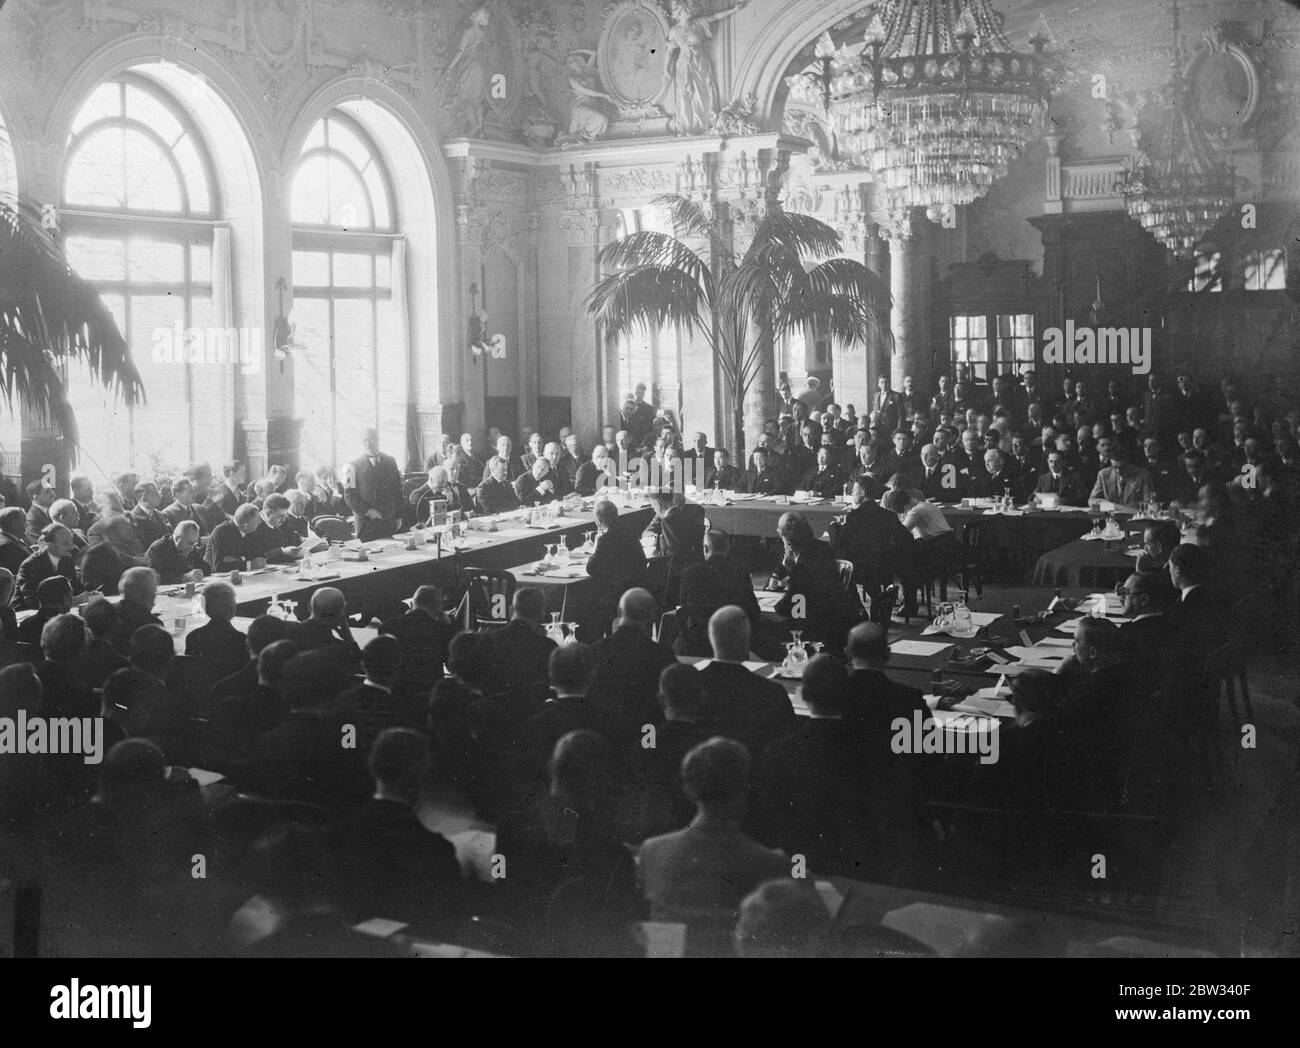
816	598
176	557
230	495
53	556
678	530
53	598
681	700
825	480
218	639
13	539
629	661
38	513
816	787
65	692
596	474
100	660
473	467
496	494
717	580
885	401
83	494
518	655
182	507
1062	481
505	449
571	671
271	542
737	702
618	563
1197	616
387	861
262	631
1148	638
723	475
538	487
237	720
879	546
571	460
438	487
150	525
424	634
374	705
140	699
938	482
873	700
301	758
998	479
763	478
228	543
327	627
135	609
374	489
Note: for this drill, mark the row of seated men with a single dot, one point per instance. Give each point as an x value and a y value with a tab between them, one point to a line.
706	773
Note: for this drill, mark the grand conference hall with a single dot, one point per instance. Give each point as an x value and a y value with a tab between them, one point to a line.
787	478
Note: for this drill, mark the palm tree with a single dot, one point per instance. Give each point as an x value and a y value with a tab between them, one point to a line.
740	307
50	316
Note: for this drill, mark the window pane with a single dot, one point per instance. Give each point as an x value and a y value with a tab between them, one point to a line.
383	270
201	263
343	140
315	137
378	197
97	258
353	270
96	176
104	102
311	269
391	385
311	369
196	178
354	369
155	261
162	424
144	108
311	192
151	182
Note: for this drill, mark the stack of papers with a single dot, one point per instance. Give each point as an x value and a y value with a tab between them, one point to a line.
768	601
986	707
921	649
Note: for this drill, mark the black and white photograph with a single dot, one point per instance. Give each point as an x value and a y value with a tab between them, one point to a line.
668	479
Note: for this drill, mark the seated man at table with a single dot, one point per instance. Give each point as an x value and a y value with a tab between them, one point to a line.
1034	770
439	487
824	479
595	474
269	542
618	563
53	598
228	548
874	701
698	876
827	605
176	557
629	661
53	556
1159	539
1122	482
763	478
998	479
518	657
738	703
537	486
939	481
1149	637
677	528
496	494
218	639
135	609
326	626
722	475
815	788
874	539
718	580
1060	480
143	705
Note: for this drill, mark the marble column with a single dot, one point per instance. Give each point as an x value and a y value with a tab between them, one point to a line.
584	232
907	284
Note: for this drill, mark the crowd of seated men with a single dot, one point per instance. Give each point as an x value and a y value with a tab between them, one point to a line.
622	784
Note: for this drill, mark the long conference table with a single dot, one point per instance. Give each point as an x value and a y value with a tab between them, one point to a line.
392	572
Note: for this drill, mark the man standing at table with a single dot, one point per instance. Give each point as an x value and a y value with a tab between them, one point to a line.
373	490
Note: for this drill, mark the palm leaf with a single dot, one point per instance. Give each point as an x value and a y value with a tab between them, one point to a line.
648	299
638	250
50	316
689	219
800	236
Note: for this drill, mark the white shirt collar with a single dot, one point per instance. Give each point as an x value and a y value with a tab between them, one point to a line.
1188	589
377	686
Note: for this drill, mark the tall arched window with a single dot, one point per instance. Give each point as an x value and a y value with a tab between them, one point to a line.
139	213
349	372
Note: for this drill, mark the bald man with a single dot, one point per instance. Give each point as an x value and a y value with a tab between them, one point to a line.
629	662
373	489
737	702
327	626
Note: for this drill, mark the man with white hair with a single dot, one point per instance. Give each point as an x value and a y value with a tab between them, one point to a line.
537	487
139	588
218	639
176	557
554	454
594	475
228	546
65	512
53	556
737	702
505	448
439	487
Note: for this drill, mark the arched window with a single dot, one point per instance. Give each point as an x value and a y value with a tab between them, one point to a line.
349	371
139	216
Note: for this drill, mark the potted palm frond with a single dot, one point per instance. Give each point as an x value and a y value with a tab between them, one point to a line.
740	307
49	316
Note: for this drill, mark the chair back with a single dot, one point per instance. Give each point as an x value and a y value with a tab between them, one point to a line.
332	529
486	598
693	631
972	536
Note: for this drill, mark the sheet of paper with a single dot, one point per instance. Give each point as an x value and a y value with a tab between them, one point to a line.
1055	642
984	618
204	777
945	928
919	648
768	601
994	694
1036	652
993	707
753	667
379	927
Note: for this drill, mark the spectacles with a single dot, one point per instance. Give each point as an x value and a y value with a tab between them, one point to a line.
1121	591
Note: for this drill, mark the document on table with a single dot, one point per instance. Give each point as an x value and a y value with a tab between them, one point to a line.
579	572
945	928
1037	653
921	649
768	601
753	667
991	707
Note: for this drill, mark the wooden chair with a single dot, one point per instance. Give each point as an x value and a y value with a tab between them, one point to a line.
332	529
488	593
1225	677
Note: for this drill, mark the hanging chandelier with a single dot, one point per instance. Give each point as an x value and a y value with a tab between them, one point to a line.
940	103
1179	186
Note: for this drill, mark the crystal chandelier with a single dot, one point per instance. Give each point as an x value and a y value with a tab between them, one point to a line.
940	103
1178	187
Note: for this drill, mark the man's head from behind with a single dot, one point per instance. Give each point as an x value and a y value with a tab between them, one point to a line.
572	669
528	605
328	605
715	775
271	661
219	600
399	761
868	645
636	608
1189	565
140	586
681	694
824	684
152	651
729	634
54	594
381	660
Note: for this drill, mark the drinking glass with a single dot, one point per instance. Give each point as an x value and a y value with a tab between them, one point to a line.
563	554
589	546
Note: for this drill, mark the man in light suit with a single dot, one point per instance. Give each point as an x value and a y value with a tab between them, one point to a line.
1121	482
374	490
